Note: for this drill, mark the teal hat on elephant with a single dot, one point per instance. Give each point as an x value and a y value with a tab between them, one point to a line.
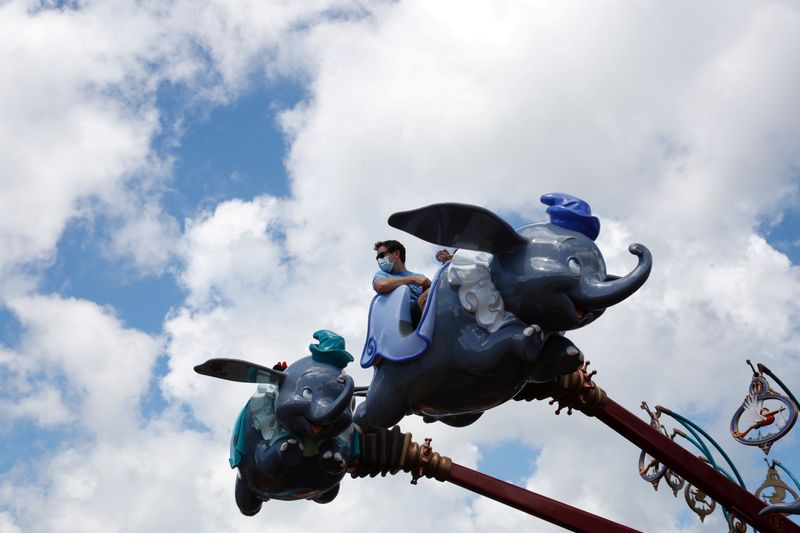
330	349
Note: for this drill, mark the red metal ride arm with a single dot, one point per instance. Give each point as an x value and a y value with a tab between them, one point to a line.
578	391
698	473
553	511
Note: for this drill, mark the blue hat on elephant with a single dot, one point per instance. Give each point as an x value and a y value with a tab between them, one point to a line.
571	212
330	349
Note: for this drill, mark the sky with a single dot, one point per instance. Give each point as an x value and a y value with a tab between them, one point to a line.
188	179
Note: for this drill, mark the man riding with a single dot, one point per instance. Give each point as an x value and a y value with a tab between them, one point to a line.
391	257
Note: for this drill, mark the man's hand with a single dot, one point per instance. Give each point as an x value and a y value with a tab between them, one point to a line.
389	284
420	280
443	256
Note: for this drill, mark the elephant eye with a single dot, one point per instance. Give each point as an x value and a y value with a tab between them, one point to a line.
306	393
574	265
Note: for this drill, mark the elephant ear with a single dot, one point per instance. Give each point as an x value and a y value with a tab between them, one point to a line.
237	370
459	226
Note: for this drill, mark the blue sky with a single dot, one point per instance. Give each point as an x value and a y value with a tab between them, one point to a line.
234	151
211	185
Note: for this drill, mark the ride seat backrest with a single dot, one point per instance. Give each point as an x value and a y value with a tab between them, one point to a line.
400	300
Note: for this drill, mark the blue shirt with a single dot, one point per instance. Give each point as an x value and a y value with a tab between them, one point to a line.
416	290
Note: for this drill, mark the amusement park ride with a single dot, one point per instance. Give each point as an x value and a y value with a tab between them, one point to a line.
508	296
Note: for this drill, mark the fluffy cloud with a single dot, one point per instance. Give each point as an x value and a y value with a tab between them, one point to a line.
7	523
105	367
79	101
63	139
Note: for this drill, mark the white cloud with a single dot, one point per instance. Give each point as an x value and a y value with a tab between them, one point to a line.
608	104
147	240
45	406
64	138
78	98
235	252
106	366
7	524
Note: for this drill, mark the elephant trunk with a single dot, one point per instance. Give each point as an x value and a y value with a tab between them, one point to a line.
595	293
325	412
292	408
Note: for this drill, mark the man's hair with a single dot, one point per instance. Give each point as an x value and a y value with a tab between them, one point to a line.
391	247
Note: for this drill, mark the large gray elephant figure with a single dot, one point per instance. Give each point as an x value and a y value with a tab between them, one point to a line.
294	438
496	314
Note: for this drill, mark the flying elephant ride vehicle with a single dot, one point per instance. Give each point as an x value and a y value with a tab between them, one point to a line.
495	315
294	438
493	324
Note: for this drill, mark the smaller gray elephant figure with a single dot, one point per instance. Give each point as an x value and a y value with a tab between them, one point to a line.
495	315
294	438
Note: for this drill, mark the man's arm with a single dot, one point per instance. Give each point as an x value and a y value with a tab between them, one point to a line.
389	284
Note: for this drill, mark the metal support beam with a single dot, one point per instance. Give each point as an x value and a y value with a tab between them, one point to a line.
532	503
390	451
695	471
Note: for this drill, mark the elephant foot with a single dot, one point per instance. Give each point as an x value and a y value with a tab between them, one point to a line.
328	495
247	501
557	358
291	452
332	460
274	460
533	339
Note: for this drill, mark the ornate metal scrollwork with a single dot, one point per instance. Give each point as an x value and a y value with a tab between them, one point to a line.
650	468
698	501
674	481
774	490
736	523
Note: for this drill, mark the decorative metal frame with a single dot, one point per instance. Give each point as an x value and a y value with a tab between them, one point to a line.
659	468
759	392
773	480
699	502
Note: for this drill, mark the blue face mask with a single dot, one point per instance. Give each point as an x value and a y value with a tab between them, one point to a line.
385	264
